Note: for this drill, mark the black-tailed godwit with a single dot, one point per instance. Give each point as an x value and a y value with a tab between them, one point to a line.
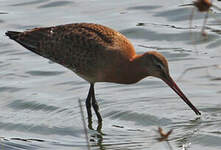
97	54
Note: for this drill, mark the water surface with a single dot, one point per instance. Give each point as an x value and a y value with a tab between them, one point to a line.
39	99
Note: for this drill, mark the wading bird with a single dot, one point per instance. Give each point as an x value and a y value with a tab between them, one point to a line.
203	6
97	54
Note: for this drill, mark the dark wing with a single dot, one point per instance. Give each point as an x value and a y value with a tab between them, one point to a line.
72	45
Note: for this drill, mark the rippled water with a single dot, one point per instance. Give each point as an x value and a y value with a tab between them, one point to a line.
39	99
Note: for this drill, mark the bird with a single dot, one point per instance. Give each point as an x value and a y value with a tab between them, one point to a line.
203	6
96	53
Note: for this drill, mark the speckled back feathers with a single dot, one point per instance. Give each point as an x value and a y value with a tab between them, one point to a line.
80	47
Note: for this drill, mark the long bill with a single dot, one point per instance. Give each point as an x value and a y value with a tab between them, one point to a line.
173	85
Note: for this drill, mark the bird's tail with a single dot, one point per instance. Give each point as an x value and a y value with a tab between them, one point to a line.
13	34
27	40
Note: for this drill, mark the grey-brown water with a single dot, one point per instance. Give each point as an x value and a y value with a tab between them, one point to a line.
39	99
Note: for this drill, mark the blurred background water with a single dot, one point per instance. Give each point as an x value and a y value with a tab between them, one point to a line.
39	99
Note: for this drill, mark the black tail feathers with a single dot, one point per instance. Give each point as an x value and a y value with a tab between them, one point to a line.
12	34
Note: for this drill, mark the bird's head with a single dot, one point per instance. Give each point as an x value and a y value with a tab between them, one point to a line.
156	65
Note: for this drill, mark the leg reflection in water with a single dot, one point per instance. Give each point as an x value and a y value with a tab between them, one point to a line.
98	135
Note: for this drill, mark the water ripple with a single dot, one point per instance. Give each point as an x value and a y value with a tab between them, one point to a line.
39	129
139	119
44	73
144	7
56	4
30	3
10	89
142	33
31	105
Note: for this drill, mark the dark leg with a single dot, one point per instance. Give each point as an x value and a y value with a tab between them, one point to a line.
88	104
95	105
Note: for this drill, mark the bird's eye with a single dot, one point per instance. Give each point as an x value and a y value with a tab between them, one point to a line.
159	66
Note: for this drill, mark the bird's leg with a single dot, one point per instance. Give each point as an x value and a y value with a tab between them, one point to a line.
204	24
95	105
88	104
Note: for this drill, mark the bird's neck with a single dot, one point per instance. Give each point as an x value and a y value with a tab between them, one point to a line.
133	71
125	71
138	71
